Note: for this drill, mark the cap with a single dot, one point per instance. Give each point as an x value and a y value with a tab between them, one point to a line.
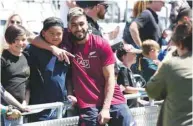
131	49
74	12
85	4
127	48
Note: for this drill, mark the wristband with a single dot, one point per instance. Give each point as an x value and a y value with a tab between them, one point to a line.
3	111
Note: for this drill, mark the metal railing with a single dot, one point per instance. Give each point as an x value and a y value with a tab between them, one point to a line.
59	106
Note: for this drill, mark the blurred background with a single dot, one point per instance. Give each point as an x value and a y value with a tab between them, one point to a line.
34	12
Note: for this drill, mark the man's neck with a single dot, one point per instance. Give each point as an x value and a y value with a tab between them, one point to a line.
152	8
93	17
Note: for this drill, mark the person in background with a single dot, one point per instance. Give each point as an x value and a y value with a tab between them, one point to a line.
14	66
148	63
64	8
126	80
145	26
138	8
183	16
163	42
16	19
173	81
177	7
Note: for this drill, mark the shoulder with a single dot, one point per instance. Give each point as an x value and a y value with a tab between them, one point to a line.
123	69
98	41
4	56
146	13
144	60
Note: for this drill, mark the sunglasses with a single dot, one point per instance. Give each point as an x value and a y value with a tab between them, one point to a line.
105	5
17	22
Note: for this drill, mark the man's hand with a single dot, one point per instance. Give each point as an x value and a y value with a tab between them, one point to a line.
72	99
61	54
25	108
14	114
104	116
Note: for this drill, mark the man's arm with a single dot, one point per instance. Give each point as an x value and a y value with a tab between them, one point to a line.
135	33
108	72
60	53
133	90
40	43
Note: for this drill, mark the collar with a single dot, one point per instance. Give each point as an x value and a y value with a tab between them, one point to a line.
92	22
154	14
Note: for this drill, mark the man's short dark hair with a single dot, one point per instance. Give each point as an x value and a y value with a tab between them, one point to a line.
182	14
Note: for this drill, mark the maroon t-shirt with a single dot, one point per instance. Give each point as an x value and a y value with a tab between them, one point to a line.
87	74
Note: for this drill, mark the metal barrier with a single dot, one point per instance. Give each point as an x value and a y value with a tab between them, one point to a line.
146	116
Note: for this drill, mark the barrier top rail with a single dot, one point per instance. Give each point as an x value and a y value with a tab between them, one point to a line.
40	107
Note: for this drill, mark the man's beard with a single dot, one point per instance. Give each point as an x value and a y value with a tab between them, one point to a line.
101	16
75	38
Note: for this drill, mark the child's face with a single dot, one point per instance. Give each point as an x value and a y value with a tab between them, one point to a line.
154	54
129	58
53	35
19	45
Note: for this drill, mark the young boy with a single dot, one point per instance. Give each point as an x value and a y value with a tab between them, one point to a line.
48	73
126	80
149	62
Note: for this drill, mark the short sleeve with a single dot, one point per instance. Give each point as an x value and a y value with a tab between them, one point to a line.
123	78
106	54
143	19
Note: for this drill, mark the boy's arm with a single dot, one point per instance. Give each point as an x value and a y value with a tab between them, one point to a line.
27	97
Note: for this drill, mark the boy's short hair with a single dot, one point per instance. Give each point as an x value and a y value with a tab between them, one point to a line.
149	45
184	13
127	48
13	31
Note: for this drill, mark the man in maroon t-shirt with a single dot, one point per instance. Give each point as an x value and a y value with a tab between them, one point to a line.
98	96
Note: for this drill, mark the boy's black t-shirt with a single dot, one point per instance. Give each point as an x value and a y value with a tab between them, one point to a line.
15	73
126	78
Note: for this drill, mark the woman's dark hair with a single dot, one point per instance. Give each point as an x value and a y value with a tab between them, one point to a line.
12	32
51	21
183	35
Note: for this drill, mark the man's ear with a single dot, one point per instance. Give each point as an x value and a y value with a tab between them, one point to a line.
97	7
43	33
69	28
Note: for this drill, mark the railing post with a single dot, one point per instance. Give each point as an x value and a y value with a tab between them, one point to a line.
59	111
151	102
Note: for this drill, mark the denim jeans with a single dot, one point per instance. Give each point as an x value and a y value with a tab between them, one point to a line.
120	113
6	122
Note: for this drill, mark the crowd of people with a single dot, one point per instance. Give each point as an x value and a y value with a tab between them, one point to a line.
74	63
